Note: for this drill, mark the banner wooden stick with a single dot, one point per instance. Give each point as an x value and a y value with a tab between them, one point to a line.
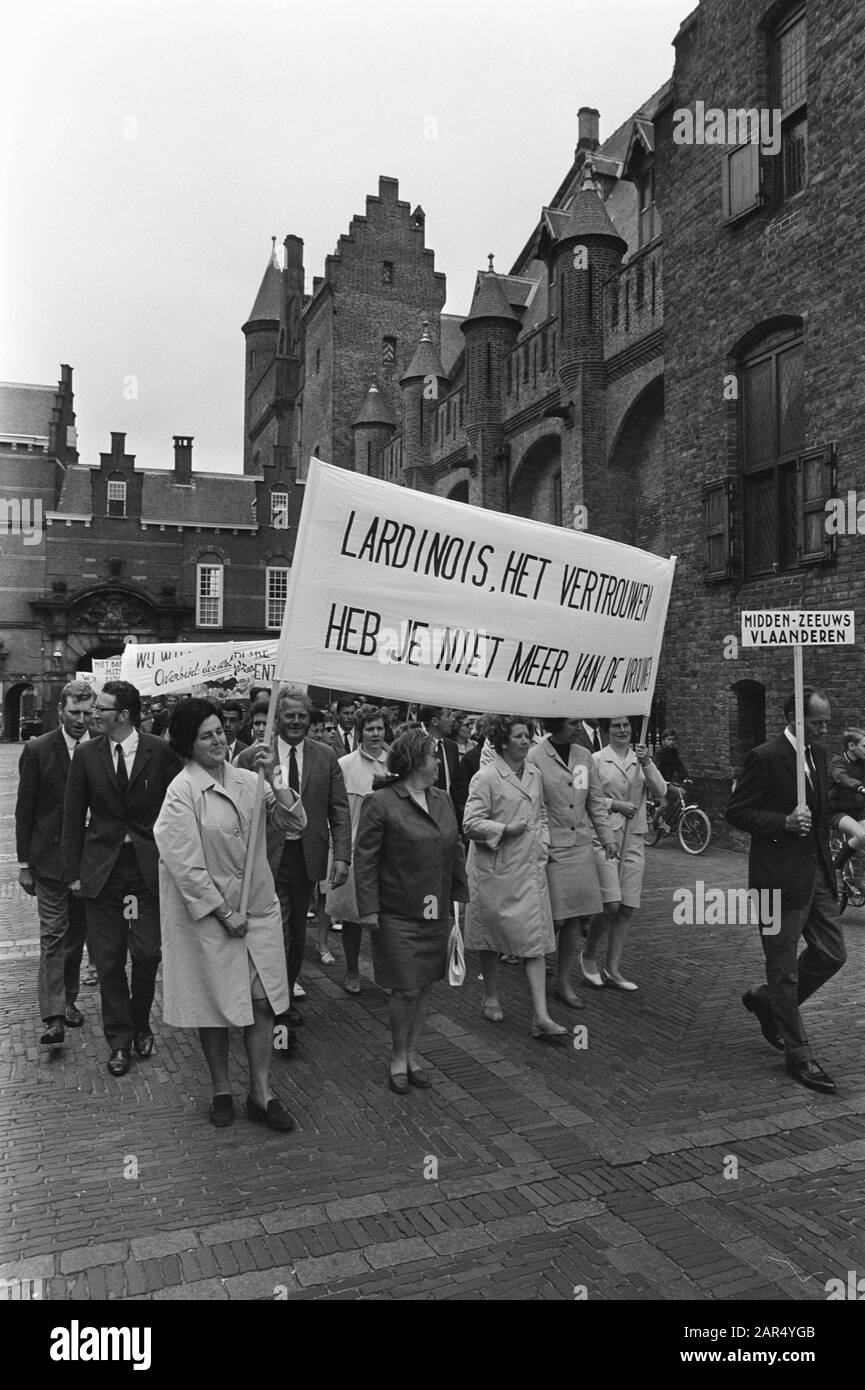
798	687
627	829
257	805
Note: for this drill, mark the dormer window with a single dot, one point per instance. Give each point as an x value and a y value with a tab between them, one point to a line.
116	499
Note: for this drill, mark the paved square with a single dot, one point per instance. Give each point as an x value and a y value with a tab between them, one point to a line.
669	1158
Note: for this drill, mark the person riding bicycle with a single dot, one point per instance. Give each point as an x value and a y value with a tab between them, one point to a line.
669	763
847	794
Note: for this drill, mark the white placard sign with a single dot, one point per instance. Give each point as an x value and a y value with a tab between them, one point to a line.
397	592
795	627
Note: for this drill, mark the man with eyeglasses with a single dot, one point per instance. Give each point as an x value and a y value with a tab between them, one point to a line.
790	853
111	861
43	770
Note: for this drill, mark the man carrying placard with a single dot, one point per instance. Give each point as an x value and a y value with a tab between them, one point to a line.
790	853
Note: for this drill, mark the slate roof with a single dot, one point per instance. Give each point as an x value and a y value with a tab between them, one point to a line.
452	340
426	361
490	300
375	409
25	411
213	499
75	499
268	301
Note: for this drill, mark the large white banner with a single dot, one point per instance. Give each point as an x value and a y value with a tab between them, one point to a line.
397	593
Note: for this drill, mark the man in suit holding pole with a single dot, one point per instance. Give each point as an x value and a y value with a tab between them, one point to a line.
790	853
121	781
43	770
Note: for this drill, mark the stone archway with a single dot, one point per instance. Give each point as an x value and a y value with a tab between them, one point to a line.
460	493
12	709
536	487
636	474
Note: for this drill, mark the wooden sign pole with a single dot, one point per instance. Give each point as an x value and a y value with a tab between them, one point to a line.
627	829
257	805
798	686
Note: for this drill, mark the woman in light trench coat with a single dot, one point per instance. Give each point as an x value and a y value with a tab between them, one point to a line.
509	902
221	968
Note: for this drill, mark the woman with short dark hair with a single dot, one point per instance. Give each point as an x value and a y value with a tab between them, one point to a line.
509	910
408	867
221	967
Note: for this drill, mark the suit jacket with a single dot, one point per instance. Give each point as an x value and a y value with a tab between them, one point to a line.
469	764
337	742
765	795
404	857
236	748
90	851
573	795
586	742
452	759
325	801
42	769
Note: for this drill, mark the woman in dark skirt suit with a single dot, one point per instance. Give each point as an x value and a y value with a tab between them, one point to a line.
408	868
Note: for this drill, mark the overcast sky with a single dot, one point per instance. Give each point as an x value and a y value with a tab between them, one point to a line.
153	147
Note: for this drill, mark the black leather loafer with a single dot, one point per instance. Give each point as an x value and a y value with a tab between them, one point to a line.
143	1044
54	1035
221	1112
118	1062
73	1017
275	1115
814	1077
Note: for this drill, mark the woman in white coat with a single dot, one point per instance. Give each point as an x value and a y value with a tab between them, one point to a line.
221	968
509	902
626	773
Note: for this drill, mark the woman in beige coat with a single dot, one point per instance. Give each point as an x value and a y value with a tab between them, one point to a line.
509	902
222	968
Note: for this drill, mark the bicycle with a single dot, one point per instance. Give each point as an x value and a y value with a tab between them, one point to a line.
691	823
850	879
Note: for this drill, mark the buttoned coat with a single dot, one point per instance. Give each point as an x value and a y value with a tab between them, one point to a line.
404	856
202	833
322	791
91	849
509	901
628	783
576	806
358	771
765	795
42	772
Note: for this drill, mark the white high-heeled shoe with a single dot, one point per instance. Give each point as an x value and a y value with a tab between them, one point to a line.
593	978
619	984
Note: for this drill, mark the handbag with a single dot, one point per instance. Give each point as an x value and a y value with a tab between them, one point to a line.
456	952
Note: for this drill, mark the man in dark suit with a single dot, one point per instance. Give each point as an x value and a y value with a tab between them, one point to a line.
790	853
439	723
343	737
42	771
121	780
231	715
589	735
300	860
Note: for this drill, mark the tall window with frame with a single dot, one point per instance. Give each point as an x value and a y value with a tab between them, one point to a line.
209	592
116	498
790	97
649	222
279	510
276	592
784	485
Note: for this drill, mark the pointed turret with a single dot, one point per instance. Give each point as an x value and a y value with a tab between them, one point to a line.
426	360
268	302
422	385
490	301
587	216
261	332
372	429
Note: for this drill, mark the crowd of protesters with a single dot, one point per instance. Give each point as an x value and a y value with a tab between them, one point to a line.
181	833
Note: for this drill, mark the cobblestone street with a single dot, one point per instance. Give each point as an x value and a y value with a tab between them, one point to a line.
525	1172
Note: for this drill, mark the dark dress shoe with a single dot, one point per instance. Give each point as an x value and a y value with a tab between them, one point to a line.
73	1016
418	1078
221	1112
762	1011
118	1062
143	1044
398	1082
275	1115
814	1077
54	1035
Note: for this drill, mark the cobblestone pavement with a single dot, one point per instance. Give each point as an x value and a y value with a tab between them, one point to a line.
525	1172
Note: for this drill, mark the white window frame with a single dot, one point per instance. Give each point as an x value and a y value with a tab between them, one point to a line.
119	495
203	617
271	574
279	507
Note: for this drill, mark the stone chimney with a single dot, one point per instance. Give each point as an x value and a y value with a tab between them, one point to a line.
589	128
183	458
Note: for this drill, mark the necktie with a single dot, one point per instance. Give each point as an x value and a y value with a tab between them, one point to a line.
346	738
596	742
122	775
293	779
442	776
